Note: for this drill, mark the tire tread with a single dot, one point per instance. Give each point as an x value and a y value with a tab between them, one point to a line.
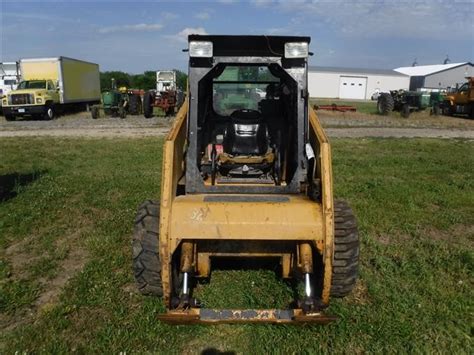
346	250
145	251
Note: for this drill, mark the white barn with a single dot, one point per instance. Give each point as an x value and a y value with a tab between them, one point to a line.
353	83
438	76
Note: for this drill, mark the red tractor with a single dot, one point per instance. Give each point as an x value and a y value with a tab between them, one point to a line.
167	96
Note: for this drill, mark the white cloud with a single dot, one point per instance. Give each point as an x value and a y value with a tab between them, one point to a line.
141	27
276	31
227	1
182	36
418	19
204	15
165	15
39	17
262	3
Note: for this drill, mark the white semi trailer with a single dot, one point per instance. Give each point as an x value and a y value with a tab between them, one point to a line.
9	77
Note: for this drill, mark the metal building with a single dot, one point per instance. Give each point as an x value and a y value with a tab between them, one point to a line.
353	83
438	76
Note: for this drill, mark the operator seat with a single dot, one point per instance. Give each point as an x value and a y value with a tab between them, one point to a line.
246	134
247	150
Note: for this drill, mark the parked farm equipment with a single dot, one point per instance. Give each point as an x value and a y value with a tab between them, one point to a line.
461	100
134	100
167	96
118	102
406	102
335	107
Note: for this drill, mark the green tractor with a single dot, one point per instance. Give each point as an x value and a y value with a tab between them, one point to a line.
235	96
117	103
406	102
232	90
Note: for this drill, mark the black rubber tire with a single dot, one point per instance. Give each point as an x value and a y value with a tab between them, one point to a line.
134	104
95	112
145	252
170	111
10	117
385	104
49	112
122	112
345	268
436	110
147	105
447	109
405	112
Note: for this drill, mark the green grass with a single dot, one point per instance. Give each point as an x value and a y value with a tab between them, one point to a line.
369	107
413	200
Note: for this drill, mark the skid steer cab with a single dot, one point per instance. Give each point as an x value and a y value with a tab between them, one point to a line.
246	174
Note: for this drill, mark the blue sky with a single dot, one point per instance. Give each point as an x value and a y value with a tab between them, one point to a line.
149	35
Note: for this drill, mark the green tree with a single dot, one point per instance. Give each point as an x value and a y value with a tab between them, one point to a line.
181	79
146	81
121	79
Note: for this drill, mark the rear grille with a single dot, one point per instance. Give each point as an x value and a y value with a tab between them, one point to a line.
22	99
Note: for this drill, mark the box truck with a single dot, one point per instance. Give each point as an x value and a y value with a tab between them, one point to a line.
48	86
9	77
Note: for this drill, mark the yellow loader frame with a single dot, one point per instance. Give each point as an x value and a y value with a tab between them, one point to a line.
185	219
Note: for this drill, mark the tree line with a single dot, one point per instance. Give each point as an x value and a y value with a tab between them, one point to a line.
146	81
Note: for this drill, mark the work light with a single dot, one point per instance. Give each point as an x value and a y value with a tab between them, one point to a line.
296	50
200	49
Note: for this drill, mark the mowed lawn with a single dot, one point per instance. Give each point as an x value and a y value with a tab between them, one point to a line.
66	216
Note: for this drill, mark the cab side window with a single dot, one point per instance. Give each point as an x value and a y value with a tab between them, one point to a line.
463	88
50	85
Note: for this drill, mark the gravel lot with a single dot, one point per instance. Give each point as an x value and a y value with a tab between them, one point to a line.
345	125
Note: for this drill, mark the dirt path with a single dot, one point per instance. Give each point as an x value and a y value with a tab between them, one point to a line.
88	132
81	125
337	126
353	132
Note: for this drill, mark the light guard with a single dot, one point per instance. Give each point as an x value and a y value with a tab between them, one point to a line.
200	49
296	50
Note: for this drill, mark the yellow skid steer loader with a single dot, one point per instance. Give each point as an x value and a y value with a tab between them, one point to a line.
247	174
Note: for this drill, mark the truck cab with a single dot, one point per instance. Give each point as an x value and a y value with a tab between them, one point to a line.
461	100
33	98
461	95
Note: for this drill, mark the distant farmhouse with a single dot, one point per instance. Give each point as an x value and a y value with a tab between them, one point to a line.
357	83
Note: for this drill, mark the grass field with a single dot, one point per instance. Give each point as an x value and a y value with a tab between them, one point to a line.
367	116
66	214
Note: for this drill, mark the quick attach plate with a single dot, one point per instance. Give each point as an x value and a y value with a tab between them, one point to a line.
216	316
